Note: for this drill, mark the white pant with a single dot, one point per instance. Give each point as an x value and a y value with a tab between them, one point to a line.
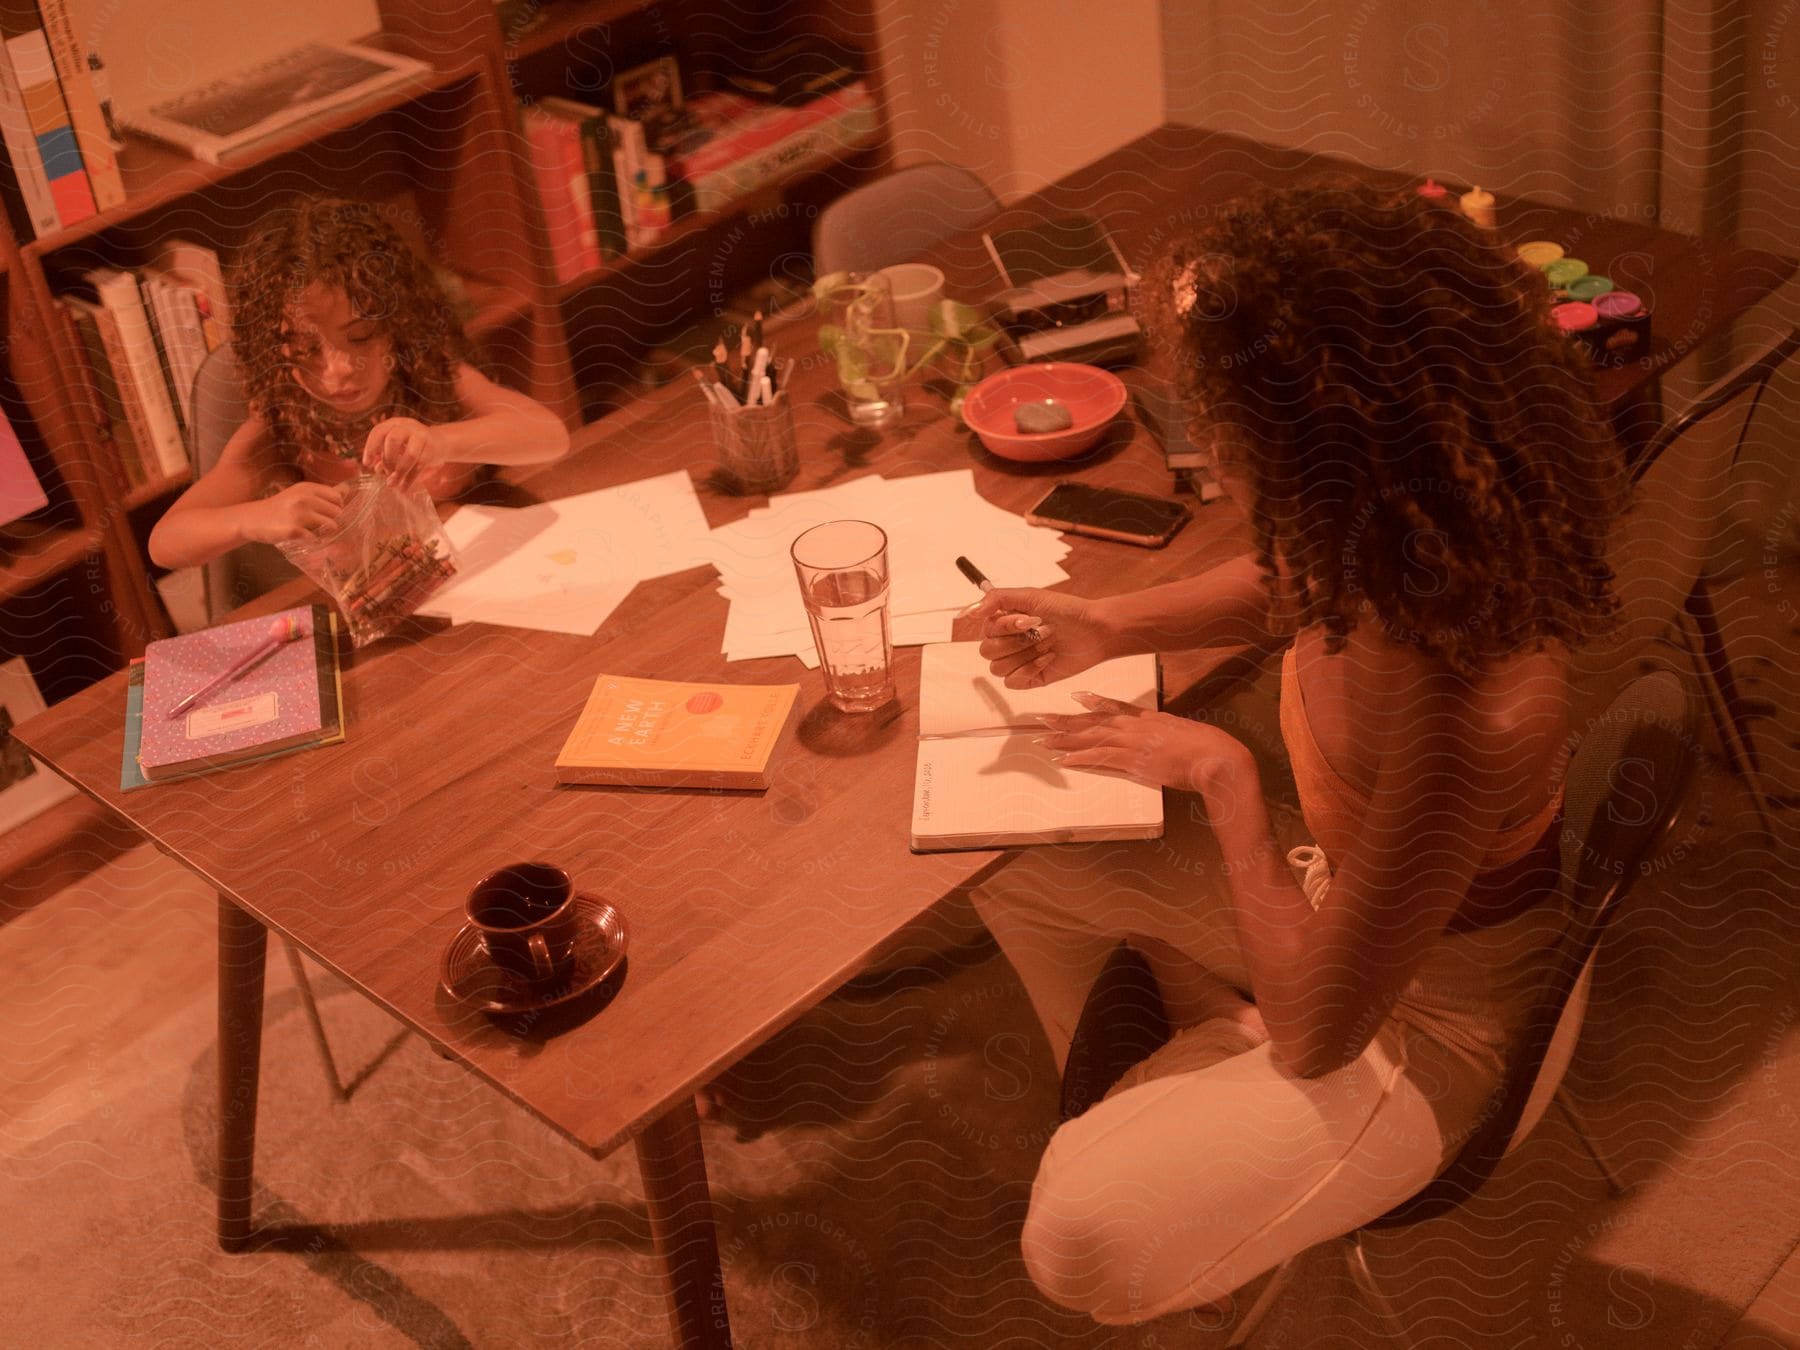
1211	1163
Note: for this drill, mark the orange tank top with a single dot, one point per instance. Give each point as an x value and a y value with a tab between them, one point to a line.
1332	807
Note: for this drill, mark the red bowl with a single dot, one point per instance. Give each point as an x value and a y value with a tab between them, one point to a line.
1093	397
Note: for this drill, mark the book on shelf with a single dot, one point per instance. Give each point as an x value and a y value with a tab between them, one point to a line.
30	76
25	190
93	130
20	491
982	781
643	181
291	699
796	71
197	267
562	183
180	297
138	366
176	319
672	733
602	188
125	425
231	116
747	145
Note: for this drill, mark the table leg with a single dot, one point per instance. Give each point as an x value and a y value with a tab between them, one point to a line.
243	949
681	1225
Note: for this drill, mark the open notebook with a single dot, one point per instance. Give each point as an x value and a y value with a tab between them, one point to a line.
982	782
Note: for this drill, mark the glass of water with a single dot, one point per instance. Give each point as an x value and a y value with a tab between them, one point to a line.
843	570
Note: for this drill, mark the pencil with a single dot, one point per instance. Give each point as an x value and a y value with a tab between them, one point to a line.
282	631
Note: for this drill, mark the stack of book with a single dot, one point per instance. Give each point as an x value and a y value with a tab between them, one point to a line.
60	163
614	181
142	336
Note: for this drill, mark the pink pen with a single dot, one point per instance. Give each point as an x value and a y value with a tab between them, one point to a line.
282	631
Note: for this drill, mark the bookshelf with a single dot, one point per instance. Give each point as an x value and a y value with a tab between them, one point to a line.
445	155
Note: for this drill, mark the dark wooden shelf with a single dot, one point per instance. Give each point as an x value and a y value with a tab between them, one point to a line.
156	489
28	560
496	306
700	220
564	21
157	174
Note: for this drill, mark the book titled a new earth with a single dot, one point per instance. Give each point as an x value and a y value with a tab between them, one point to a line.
671	733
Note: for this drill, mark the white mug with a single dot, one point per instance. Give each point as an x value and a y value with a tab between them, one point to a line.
917	288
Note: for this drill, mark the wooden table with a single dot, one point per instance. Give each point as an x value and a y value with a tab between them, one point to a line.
745	909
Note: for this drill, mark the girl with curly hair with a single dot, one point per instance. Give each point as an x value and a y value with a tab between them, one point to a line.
1429	488
352	362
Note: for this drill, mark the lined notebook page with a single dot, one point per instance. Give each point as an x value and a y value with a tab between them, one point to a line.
958	696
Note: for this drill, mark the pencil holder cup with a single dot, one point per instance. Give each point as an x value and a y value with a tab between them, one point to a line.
757	449
381	560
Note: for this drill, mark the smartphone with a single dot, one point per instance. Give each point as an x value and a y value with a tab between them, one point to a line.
1108	513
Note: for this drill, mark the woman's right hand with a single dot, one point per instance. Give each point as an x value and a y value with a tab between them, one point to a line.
296	512
1072	635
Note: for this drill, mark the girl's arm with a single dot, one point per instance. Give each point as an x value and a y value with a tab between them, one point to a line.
502	427
226	507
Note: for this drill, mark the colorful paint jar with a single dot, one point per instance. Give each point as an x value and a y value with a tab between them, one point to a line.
1588	287
1577	316
1561	271
1619	305
1541	251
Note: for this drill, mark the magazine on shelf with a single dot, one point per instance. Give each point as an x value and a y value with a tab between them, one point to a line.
234	114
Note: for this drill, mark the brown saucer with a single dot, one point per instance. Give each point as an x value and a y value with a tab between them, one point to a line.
470	977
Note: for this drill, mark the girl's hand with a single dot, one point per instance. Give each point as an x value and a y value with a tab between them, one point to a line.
1072	635
401	449
296	512
1156	749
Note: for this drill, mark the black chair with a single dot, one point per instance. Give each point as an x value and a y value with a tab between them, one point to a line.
1612	822
1665	548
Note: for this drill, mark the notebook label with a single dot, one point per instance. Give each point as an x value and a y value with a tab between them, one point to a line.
217	718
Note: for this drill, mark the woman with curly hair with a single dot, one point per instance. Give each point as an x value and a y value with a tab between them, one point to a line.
352	363
1429	488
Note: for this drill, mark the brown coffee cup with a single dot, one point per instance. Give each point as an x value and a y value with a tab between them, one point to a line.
527	919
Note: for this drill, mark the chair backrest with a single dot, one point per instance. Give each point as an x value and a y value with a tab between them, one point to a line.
1624	787
1681	487
220	408
898	217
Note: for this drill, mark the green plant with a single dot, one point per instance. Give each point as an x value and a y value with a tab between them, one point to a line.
961	332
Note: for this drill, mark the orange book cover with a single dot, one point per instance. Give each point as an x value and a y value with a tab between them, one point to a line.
670	733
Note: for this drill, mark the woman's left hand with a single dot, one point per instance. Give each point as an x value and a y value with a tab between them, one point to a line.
401	449
1156	749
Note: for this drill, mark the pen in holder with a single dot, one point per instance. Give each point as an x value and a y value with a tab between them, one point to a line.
757	450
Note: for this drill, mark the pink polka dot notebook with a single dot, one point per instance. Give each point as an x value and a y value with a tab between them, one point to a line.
285	696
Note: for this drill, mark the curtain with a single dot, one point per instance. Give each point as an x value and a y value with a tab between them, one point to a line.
1684	115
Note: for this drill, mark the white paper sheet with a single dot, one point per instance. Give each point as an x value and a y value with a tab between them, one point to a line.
564	566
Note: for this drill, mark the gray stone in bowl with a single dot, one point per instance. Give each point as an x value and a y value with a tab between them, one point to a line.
1035	418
